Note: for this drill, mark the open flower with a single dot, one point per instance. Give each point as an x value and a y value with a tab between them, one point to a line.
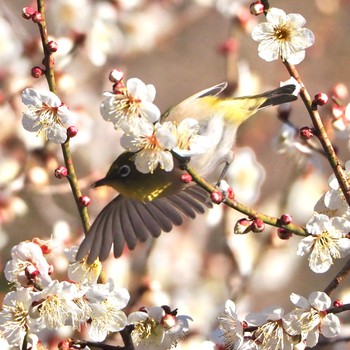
46	113
270	333
153	145
310	318
131	109
230	326
157	328
326	241
282	36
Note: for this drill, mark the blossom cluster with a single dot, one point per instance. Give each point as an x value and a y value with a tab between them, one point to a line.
272	329
130	108
40	303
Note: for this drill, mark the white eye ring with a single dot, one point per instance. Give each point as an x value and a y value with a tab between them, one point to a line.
124	170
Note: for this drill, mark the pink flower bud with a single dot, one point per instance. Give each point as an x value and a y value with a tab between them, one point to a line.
36	72
72	131
257	8
320	99
28	12
243	226
168	321
61	172
258	225
37	17
186	178
84	201
217	197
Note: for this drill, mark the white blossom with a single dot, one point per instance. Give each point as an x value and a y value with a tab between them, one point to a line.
282	36
106	303
153	145
46	113
327	241
310	318
27	266
156	329
132	108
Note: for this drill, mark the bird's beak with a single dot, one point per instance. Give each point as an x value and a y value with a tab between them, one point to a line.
101	182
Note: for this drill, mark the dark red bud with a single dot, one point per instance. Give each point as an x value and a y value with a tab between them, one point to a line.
284	234
337	303
52	46
320	99
286	219
84	201
306	133
72	131
36	72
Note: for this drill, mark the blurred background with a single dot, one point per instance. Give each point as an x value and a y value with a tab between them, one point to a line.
182	47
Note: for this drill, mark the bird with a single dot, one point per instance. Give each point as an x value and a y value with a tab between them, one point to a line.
150	203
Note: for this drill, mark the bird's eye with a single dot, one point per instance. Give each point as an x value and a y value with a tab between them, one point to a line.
124	170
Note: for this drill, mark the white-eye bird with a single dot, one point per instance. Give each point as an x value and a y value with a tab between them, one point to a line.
150	203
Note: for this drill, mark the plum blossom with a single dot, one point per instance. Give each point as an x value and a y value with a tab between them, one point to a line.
153	145
46	113
131	108
327	241
106	302
310	318
270	333
28	265
282	36
157	328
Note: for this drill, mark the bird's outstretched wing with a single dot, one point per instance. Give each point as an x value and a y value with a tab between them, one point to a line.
127	221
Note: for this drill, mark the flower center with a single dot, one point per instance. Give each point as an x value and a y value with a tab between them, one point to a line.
47	116
146	328
283	32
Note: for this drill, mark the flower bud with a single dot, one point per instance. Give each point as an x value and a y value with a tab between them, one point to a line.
84	201
258	225
243	226
28	12
115	76
337	303
168	321
257	8
36	72
320	99
72	131
61	172
284	234
37	17
217	197
186	178
52	46
306	133
284	111
286	219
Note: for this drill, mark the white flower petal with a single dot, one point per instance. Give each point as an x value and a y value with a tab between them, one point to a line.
320	301
330	326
